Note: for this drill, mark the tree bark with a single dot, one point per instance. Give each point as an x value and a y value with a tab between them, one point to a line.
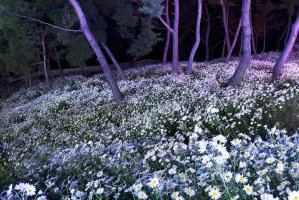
167	42
197	42
287	50
234	42
208	32
96	48
113	59
45	62
245	60
175	53
225	23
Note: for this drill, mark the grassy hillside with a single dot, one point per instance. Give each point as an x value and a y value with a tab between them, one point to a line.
177	136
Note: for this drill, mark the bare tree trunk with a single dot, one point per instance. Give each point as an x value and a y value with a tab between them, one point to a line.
45	62
197	42
113	59
208	32
234	42
223	47
175	54
58	63
225	23
287	50
167	42
252	36
245	60
96	48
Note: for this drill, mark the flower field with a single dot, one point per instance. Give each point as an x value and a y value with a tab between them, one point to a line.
177	138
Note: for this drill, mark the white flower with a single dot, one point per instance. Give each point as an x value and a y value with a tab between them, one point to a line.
20	186
279	168
268	197
294	195
137	187
240	178
248	189
242	164
189	191
227	176
30	189
8	193
100	191
142	195
270	160
175	195
154	182
214	193
236	142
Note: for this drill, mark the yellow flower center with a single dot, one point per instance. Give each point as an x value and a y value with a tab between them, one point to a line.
214	194
296	198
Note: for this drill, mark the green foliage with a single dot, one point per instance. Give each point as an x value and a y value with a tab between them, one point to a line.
144	43
153	8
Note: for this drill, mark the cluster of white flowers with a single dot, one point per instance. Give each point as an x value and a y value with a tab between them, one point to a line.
178	137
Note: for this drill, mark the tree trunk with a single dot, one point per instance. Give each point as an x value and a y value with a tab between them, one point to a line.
113	59
252	36
45	62
167	42
96	48
208	32
287	50
245	60
234	42
197	42
225	23
58	63
175	54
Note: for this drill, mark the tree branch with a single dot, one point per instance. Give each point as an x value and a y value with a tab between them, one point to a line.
166	24
42	22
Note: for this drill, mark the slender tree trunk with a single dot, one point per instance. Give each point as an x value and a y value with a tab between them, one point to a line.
234	42
245	60
58	63
208	32
252	36
175	54
167	42
45	62
287	50
225	23
197	42
96	48
265	32
113	59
